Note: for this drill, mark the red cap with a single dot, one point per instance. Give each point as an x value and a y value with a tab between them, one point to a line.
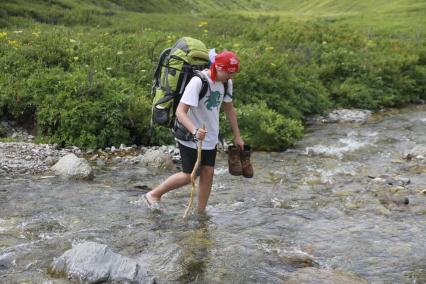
225	61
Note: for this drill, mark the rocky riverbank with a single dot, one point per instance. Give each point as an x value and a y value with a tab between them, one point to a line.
20	158
26	157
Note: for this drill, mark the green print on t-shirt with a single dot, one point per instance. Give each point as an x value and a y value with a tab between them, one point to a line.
213	100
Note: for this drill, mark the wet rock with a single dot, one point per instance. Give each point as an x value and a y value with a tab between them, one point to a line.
386	179
387	199
296	257
347	115
100	163
155	158
6	260
418	152
50	161
92	262
72	167
311	275
94	157
144	187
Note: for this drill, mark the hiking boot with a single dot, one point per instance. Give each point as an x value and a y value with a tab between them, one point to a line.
245	162
234	161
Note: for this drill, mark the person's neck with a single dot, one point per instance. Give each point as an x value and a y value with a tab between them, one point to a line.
209	73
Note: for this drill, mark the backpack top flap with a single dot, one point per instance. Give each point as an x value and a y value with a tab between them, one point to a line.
191	50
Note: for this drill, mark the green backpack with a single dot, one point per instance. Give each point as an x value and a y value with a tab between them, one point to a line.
176	66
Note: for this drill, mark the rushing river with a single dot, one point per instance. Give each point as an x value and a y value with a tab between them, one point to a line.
319	204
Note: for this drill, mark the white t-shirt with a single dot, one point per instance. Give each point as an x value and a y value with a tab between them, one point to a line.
206	110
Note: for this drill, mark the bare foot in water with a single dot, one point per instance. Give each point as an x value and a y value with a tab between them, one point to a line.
151	202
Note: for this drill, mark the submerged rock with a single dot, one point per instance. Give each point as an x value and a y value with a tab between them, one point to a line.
387	199
296	257
92	262
416	153
73	167
312	275
386	179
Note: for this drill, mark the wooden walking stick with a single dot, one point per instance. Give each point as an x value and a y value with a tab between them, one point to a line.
194	176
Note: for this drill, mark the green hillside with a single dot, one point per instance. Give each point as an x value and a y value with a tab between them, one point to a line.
80	72
392	14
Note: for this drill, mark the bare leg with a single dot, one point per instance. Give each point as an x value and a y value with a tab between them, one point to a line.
172	182
204	187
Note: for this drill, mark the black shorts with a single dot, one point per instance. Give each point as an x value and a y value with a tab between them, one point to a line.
189	157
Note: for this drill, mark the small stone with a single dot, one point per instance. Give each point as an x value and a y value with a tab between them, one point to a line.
100	163
398	200
94	157
50	161
379	180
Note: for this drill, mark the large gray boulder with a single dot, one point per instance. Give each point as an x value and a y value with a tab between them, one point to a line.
91	262
72	167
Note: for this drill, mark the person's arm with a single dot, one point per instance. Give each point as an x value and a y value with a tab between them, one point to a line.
182	116
231	115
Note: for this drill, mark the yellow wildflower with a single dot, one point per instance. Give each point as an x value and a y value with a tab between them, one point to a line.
371	43
202	24
14	43
3	34
206	31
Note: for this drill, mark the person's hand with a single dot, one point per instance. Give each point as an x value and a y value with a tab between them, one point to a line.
201	134
239	142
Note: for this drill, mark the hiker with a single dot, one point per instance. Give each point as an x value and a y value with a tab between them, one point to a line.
192	114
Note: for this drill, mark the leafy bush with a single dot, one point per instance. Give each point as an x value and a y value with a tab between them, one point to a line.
265	129
84	112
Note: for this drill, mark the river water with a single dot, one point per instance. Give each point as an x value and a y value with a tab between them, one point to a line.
317	204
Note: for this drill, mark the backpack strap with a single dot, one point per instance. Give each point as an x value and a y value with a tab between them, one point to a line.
157	74
226	85
204	86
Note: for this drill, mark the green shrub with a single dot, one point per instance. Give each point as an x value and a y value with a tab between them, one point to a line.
84	112
265	129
